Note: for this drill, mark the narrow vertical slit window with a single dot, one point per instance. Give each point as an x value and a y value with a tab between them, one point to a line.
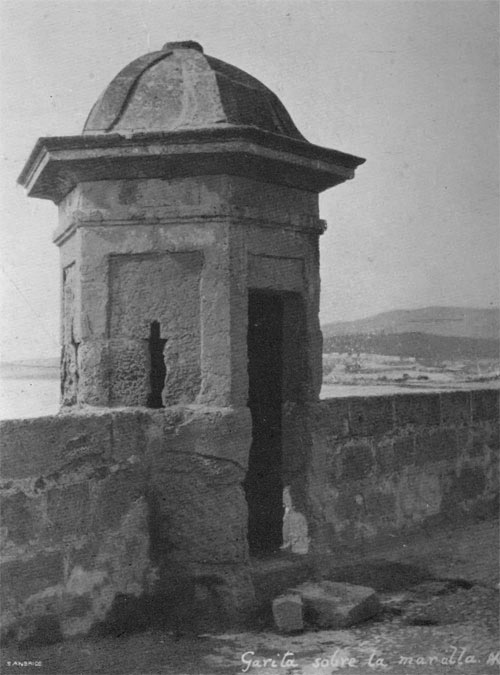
158	370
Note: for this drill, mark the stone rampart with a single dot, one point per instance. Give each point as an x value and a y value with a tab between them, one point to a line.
114	517
122	514
381	466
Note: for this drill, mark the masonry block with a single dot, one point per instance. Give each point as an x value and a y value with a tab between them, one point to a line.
44	445
333	416
17	517
371	416
476	441
494	439
435	446
345	505
455	408
68	512
464	440
84	554
384	456
404	452
470	483
481	440
485	405
417	409
23	578
130	367
36	631
332	605
115	495
287	613
128	434
198	509
357	461
379	503
77	606
220	433
94	360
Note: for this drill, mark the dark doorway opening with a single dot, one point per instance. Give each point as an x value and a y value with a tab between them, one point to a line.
264	482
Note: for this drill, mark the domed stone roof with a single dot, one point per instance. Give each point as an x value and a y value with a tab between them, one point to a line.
177	112
180	88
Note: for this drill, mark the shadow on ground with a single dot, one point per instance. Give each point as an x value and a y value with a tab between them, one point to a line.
439	594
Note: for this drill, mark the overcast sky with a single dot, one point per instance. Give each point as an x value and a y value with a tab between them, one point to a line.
411	86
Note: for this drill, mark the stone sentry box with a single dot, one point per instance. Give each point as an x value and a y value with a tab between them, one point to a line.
189	204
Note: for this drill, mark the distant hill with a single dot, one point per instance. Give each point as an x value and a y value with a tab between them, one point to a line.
462	322
419	345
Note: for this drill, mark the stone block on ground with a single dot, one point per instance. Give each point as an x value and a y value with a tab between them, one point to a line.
334	605
287	613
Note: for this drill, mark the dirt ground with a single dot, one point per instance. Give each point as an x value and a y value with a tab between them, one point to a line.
440	596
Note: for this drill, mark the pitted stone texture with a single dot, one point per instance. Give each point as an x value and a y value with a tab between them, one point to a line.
115	494
129	369
134	276
144	256
218	433
198	509
93	372
77	581
24	578
155	287
333	605
18	518
69	335
370	479
68	512
287	613
41	446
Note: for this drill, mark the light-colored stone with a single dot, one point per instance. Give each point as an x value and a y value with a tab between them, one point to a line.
164	235
333	605
287	613
201	509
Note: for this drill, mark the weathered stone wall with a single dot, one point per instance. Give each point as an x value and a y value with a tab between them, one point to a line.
118	515
182	253
384	465
163	237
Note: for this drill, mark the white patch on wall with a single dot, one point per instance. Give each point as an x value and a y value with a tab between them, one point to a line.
295	531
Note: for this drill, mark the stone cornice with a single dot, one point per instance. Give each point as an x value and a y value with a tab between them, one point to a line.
314	225
57	164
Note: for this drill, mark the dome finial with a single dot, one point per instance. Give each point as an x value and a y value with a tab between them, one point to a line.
185	44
